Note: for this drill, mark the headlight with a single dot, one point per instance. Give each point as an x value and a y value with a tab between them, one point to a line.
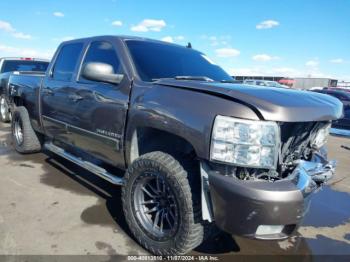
245	142
321	137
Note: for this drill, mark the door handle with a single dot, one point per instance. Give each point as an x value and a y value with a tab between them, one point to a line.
75	98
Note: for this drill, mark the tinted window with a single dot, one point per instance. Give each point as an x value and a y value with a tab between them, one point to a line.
103	52
155	60
347	113
340	96
345	97
66	61
335	95
24	65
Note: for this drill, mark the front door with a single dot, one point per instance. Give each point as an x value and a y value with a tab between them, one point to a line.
100	109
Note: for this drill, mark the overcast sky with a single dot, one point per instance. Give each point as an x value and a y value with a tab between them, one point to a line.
250	37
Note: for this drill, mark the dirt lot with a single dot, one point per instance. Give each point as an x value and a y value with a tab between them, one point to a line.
51	207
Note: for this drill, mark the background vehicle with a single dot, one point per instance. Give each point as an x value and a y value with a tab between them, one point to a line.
264	83
198	150
344	122
316	88
344	97
8	65
344	89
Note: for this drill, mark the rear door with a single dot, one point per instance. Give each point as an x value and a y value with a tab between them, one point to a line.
57	109
100	109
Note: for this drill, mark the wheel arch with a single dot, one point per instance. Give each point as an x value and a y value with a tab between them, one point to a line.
18	100
146	139
149	139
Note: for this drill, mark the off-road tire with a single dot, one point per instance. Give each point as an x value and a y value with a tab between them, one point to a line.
32	141
5	117
190	232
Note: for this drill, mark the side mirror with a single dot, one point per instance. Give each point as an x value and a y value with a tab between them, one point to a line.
101	72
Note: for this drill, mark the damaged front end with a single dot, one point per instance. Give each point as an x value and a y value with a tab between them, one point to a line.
260	194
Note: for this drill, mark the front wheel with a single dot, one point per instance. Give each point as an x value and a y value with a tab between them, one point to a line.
159	206
5	116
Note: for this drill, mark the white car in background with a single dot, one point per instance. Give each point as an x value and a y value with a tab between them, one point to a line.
264	83
316	88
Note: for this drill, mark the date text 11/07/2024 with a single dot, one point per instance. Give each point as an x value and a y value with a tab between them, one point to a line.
173	258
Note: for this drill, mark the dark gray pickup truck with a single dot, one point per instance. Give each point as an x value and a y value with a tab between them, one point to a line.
16	65
199	151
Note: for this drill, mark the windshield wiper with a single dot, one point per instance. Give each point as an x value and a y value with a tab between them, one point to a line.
196	78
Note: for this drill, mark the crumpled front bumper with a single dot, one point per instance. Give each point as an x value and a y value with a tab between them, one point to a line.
240	207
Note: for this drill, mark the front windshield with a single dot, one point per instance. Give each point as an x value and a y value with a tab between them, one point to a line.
155	60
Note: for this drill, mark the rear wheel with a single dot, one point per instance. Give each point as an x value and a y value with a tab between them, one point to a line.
24	137
158	205
4	110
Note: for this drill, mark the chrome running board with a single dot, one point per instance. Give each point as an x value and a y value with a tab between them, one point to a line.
99	171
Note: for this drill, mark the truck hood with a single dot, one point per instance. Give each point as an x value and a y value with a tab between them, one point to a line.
270	103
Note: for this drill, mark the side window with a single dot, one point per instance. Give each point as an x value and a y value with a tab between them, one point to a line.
66	61
102	52
347	113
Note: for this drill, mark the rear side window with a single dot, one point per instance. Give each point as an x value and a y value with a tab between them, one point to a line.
66	61
102	52
24	65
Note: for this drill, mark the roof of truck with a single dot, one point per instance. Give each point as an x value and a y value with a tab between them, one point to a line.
120	37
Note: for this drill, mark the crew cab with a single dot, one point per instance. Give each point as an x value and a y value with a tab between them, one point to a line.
16	65
198	150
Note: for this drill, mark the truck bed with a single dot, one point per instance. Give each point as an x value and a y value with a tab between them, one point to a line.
27	86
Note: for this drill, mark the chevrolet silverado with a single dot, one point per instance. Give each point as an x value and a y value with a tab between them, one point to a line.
199	151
